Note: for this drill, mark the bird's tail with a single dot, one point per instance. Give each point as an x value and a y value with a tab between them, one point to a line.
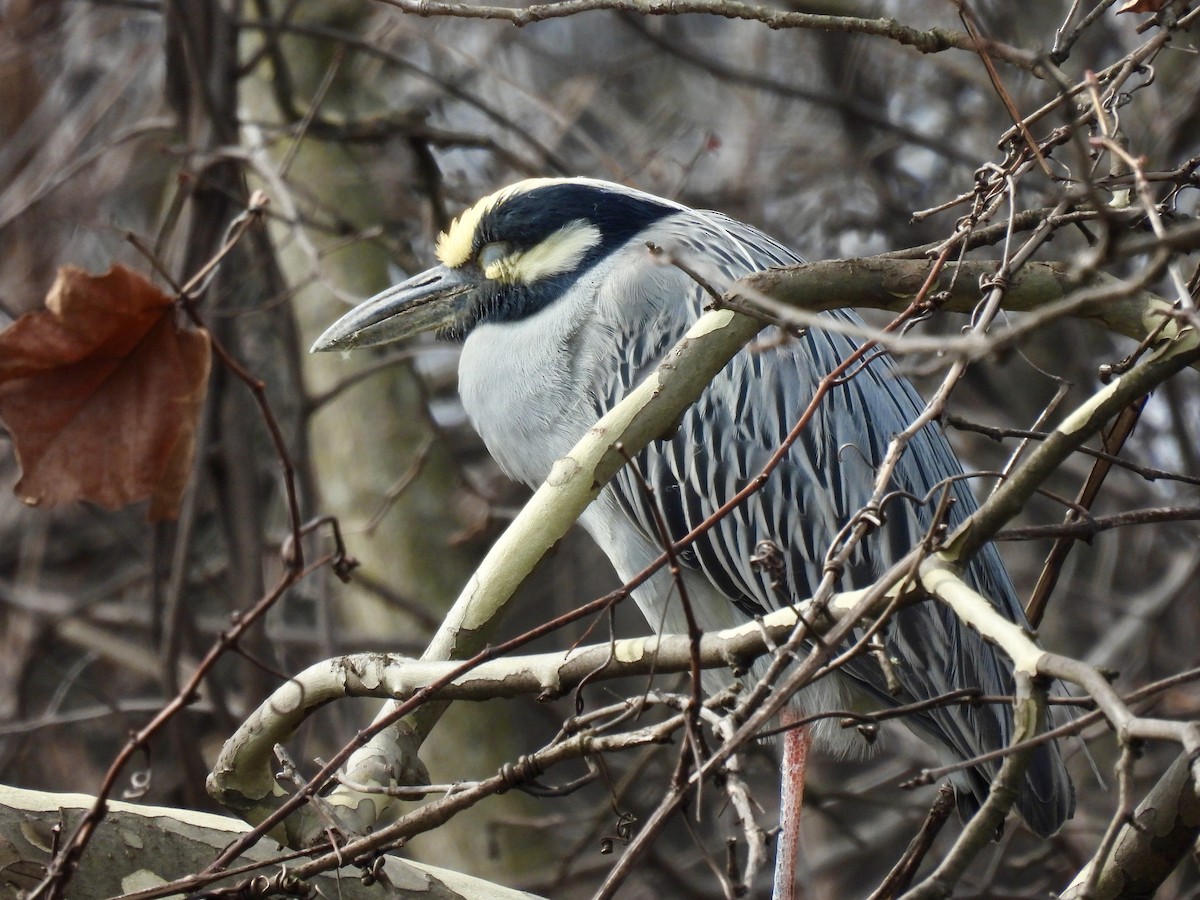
1046	799
1047	796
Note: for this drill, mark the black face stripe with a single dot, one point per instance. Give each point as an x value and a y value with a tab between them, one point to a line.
495	301
528	218
525	220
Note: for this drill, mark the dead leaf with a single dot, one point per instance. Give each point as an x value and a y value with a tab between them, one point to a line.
101	392
1141	6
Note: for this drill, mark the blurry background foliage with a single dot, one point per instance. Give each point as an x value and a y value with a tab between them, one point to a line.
367	129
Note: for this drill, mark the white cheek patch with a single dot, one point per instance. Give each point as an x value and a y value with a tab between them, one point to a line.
560	252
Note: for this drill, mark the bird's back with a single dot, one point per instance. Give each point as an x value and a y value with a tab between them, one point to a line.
726	438
533	386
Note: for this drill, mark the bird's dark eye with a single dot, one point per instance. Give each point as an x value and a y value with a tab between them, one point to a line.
492	253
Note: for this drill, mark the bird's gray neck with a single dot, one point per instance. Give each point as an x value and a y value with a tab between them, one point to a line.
533	387
527	387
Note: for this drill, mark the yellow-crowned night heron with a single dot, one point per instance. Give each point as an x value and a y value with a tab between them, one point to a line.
561	310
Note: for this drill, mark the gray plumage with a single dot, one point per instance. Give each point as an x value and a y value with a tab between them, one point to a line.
537	371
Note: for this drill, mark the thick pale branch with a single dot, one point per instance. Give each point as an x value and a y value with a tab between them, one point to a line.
944	583
982	829
1088	418
648	412
978	612
143	852
891	284
939	579
243	778
645	414
576	480
1165	826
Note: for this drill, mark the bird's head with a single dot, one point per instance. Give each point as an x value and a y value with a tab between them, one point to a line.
510	255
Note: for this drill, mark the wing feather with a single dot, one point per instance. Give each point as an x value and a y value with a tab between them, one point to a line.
725	439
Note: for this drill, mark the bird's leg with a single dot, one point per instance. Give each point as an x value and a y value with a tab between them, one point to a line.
796	742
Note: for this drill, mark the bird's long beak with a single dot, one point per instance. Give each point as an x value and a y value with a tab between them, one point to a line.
426	302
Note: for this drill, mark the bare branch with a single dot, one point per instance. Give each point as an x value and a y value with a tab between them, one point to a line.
933	40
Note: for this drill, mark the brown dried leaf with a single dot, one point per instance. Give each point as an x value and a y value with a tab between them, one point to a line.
102	392
1141	6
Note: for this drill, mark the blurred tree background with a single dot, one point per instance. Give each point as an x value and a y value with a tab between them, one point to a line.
368	128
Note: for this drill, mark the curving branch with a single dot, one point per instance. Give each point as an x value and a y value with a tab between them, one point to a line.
576	480
1051	289
245	769
176	843
1163	828
932	40
248	785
